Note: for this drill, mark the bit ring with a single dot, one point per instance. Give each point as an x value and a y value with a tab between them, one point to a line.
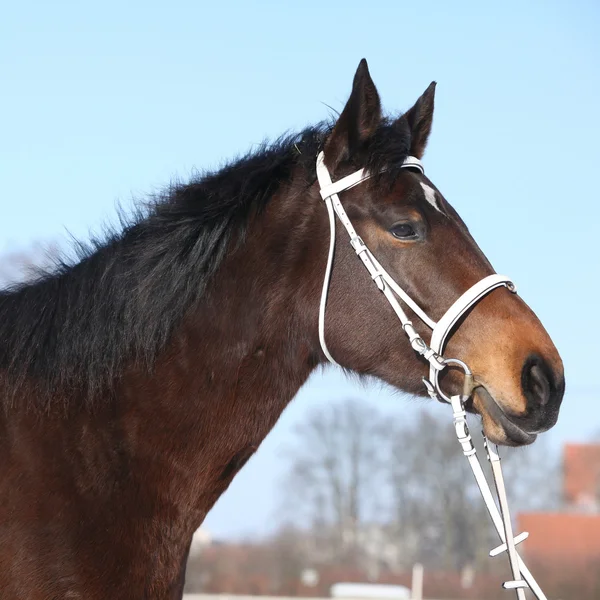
468	384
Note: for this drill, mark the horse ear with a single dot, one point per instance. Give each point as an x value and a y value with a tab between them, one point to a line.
358	120
419	119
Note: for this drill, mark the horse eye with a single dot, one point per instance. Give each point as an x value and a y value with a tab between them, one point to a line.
403	231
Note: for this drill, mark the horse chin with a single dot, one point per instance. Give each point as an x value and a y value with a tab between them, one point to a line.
497	427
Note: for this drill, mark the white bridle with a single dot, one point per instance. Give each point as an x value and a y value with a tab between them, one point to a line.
499	514
386	284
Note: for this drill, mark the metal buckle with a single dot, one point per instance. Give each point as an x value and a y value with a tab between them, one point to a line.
358	244
468	383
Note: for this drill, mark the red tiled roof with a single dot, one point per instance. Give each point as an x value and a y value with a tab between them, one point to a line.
581	474
561	537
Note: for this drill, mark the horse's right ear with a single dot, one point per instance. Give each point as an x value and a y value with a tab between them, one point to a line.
358	120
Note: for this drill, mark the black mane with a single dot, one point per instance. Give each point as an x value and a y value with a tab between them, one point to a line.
76	326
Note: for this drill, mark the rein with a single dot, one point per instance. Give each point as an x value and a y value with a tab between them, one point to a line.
385	283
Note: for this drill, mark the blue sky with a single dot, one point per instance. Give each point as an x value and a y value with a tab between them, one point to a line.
102	103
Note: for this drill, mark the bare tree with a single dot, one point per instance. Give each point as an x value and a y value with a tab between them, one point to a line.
336	474
437	503
399	493
534	477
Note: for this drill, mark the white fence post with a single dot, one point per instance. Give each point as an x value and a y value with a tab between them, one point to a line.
417	582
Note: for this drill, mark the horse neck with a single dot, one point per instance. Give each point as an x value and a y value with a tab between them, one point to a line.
234	363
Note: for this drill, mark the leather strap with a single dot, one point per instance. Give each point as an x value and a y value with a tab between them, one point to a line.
473	295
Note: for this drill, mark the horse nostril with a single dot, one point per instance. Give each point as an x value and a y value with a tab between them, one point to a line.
540	383
537	385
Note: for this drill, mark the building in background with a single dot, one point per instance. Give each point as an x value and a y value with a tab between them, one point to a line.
566	544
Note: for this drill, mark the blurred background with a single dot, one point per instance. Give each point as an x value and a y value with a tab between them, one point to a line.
107	102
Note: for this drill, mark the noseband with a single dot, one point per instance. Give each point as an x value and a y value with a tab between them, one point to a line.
385	283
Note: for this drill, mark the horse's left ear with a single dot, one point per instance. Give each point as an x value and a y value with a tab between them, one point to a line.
358	120
419	119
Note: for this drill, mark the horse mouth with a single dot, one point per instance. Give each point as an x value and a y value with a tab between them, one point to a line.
514	435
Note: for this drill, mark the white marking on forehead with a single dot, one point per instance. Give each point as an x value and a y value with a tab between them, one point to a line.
430	196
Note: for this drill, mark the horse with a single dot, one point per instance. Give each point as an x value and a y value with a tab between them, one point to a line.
138	379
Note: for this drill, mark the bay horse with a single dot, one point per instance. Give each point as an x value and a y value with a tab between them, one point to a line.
136	382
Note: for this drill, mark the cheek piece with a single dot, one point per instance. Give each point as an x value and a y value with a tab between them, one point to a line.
432	352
